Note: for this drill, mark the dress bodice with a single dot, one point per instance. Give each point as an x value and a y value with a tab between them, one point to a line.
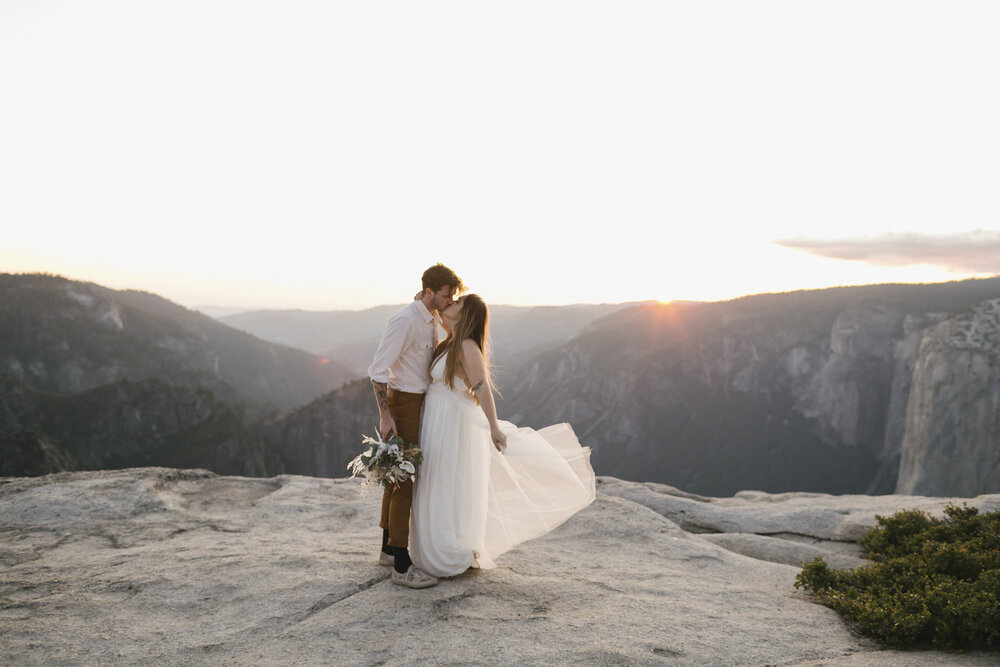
437	377
437	368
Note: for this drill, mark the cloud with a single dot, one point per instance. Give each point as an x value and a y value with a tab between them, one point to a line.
966	252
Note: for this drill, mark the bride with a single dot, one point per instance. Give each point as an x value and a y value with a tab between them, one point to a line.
485	485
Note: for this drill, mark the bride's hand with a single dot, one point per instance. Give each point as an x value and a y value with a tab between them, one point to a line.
499	438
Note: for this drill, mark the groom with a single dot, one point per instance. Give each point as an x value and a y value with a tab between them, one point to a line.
400	375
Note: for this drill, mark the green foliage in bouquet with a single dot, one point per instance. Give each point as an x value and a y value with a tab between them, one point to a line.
934	581
387	462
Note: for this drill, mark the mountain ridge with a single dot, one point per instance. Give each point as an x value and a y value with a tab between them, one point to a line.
63	336
351	337
800	391
814	390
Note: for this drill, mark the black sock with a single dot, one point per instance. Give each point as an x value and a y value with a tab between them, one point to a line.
385	542
403	561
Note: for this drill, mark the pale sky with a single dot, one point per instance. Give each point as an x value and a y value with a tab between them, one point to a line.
322	154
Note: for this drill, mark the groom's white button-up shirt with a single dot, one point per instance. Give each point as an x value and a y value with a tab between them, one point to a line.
403	358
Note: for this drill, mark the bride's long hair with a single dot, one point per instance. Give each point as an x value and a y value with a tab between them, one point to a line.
473	324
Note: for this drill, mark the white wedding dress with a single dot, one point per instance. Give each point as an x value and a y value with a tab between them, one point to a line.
472	503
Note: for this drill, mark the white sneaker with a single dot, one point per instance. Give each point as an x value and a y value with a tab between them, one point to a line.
413	578
385	559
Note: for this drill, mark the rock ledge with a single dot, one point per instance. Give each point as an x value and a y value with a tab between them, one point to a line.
187	567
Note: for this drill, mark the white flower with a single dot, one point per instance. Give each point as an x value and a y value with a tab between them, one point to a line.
408	467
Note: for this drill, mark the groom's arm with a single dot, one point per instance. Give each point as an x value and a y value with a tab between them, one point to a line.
390	348
386	424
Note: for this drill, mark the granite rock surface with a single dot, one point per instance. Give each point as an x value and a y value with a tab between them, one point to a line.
165	566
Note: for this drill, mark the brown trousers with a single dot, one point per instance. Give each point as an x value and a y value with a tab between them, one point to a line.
397	499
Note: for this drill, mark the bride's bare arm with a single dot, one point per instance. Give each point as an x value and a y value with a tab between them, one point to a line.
479	384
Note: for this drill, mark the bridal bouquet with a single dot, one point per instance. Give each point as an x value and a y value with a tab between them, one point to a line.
386	463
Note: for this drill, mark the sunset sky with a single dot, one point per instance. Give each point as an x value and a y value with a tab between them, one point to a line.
322	154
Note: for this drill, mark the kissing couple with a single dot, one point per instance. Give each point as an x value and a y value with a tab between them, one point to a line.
485	485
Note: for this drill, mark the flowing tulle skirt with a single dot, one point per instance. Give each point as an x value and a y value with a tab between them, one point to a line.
472	503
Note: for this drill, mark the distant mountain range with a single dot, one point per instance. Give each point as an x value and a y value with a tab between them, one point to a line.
874	389
95	378
350	338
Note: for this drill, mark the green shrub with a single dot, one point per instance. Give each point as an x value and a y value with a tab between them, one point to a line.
934	581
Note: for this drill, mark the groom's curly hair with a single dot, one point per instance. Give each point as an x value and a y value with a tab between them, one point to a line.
440	275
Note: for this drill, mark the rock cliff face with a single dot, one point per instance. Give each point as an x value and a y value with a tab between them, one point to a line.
801	391
952	438
181	567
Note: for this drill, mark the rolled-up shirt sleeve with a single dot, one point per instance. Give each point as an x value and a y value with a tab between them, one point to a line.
390	348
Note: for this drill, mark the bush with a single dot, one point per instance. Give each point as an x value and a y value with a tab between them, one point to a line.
934	581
